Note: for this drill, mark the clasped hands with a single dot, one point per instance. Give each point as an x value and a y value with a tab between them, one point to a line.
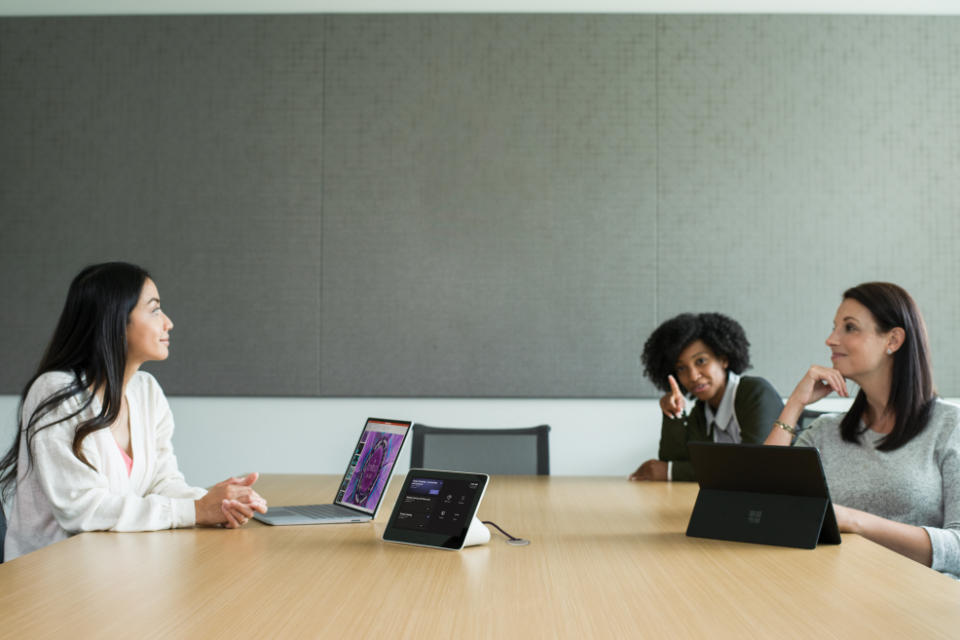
230	503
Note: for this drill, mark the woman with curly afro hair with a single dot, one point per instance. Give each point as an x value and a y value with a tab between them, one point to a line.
703	356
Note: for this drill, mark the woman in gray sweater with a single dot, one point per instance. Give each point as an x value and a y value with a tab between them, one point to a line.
893	460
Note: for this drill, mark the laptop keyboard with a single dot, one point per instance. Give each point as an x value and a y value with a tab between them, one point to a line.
322	511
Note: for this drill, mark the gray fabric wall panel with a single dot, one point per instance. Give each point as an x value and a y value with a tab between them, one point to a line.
800	156
507	204
189	145
489	186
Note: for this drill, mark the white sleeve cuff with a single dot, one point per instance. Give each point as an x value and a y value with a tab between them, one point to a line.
669	471
183	513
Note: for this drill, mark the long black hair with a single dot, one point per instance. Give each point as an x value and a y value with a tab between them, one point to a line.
912	393
90	342
724	335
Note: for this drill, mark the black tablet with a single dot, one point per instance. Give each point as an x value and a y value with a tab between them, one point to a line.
435	508
762	494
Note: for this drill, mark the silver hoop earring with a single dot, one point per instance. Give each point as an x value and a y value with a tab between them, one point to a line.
889	352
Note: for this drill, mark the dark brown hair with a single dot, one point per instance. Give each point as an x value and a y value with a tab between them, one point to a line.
912	393
90	342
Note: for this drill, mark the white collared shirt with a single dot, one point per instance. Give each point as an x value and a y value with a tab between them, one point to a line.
727	429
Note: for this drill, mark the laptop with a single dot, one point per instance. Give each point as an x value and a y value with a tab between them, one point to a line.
761	494
364	484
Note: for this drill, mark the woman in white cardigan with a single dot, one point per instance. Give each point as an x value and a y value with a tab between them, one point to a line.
94	452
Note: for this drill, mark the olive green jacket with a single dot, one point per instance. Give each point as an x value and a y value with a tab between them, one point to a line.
756	405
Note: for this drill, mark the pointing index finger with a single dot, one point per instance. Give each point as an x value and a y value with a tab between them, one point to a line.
673	385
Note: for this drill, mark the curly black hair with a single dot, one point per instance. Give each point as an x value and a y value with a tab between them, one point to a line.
722	334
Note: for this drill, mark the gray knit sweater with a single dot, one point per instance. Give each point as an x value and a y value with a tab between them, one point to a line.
917	484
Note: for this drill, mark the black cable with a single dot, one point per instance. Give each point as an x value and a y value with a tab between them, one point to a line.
499	529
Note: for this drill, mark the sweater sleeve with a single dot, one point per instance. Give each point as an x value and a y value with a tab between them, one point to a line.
946	541
673	439
805	439
758	405
674	433
168	480
80	498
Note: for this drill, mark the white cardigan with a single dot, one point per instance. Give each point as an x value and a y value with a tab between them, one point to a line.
61	496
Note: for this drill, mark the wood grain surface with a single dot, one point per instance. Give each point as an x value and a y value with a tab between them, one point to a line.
608	559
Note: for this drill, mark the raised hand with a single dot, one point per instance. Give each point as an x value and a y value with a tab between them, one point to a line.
673	403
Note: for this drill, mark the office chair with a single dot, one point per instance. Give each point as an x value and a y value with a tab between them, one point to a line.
807	418
513	452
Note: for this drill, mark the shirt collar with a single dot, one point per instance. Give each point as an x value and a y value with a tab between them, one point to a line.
724	414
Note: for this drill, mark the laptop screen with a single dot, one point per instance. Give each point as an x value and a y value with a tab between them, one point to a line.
371	464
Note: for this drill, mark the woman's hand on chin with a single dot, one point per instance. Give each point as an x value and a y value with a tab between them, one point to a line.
230	503
818	383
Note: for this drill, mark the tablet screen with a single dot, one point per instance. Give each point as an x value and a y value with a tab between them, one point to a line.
435	508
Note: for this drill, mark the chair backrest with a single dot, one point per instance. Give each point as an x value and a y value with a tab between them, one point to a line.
514	452
807	418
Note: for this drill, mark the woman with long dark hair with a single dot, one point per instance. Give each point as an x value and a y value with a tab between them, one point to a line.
893	460
93	450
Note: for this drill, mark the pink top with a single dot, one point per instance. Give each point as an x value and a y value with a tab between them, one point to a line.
126	459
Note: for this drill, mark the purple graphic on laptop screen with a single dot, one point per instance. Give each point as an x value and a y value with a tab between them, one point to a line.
377	455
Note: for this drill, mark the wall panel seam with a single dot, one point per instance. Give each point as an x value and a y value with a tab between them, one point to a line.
323	157
656	164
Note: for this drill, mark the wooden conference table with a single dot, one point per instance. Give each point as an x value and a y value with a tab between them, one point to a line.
608	559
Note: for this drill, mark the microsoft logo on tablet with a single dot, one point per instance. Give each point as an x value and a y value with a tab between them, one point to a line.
754	517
